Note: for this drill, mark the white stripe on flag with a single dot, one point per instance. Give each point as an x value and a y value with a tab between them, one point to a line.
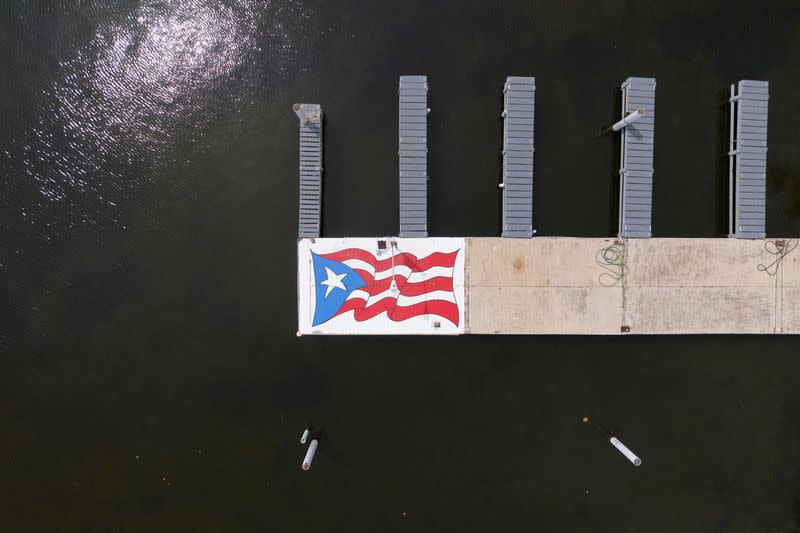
447	296
359	264
433	272
402	270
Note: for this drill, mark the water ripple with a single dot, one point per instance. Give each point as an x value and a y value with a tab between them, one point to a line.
141	93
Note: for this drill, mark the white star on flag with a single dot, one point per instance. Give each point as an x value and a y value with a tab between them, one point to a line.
334	281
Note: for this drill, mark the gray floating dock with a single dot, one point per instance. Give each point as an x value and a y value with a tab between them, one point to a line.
747	159
310	116
518	113
636	159
413	154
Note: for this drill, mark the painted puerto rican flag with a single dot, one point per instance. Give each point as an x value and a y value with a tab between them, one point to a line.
397	284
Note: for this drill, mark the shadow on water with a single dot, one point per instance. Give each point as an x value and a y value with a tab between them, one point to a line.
499	164
796	515
783	179
616	178
322	184
722	124
437	166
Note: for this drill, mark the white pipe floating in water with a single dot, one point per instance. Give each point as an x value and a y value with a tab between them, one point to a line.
626	451
630	119
304	437
312	449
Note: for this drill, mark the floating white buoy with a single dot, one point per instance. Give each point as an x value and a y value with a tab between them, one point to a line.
312	449
304	437
626	451
629	119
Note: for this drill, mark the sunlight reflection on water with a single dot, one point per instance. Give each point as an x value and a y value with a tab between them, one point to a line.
142	91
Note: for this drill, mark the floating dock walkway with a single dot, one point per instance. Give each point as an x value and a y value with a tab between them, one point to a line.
413	155
747	159
310	116
628	284
636	158
518	115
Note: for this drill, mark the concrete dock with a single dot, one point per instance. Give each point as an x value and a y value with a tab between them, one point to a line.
555	285
417	285
548	285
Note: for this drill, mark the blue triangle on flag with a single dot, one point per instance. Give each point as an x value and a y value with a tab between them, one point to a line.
333	283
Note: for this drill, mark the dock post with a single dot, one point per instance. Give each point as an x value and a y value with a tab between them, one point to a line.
312	449
629	119
310	116
626	451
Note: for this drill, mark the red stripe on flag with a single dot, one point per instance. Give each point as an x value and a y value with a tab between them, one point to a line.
447	310
366	276
436	283
362	313
444	309
439	283
410	260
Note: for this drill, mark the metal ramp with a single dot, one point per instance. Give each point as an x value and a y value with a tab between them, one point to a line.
636	159
413	154
518	105
310	116
747	160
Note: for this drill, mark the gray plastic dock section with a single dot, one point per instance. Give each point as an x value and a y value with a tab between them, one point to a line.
413	154
636	159
518	113
747	159
310	116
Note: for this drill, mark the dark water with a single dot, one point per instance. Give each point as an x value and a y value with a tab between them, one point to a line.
150	378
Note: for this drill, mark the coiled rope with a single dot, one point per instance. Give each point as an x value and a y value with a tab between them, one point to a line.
780	249
612	259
